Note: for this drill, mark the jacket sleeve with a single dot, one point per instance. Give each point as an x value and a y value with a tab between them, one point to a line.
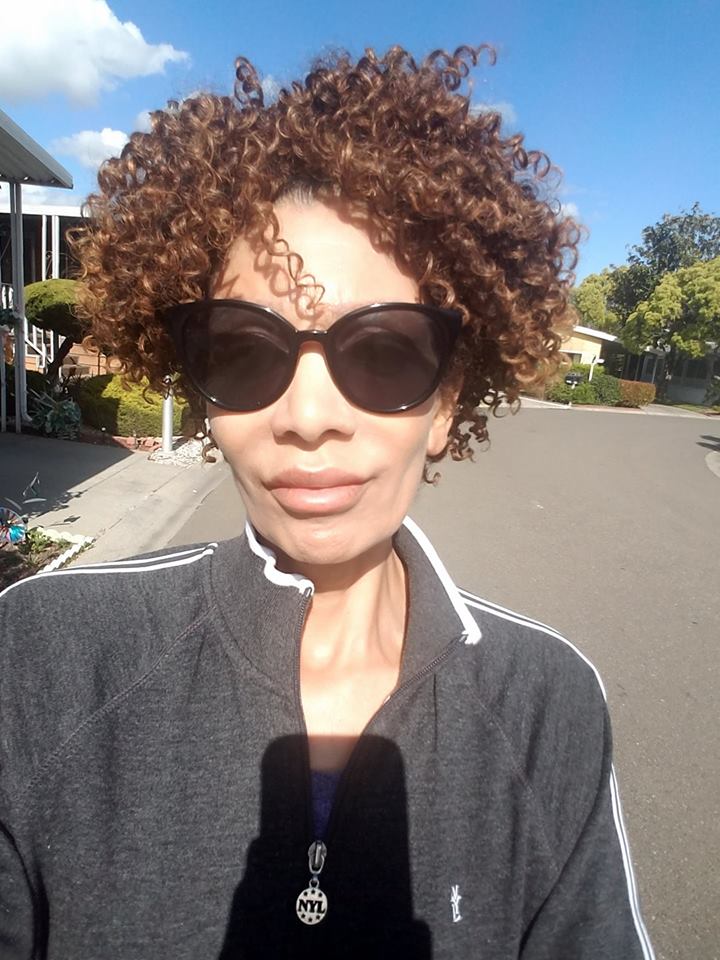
592	911
16	904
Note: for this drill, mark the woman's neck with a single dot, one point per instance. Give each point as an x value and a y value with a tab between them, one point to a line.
358	611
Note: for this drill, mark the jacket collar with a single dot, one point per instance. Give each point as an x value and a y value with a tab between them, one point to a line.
263	609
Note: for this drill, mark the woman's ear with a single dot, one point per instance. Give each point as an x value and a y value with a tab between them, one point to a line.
445	410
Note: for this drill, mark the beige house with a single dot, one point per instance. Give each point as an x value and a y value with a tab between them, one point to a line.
585	345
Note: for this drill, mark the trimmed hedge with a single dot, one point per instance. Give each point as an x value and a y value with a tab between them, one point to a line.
123	410
634	393
607	389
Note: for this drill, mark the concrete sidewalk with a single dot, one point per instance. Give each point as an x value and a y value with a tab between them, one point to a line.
128	503
651	409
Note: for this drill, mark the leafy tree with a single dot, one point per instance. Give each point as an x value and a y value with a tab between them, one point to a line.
674	242
631	284
678	241
680	316
49	304
592	299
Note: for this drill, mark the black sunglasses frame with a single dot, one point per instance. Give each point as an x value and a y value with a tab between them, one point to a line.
448	325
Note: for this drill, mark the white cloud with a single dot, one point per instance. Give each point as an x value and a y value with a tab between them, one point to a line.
505	109
91	147
36	196
569	210
142	122
78	48
270	88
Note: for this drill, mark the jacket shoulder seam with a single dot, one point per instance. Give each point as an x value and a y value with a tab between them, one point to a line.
71	742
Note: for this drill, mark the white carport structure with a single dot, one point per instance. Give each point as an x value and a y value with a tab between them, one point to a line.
22	161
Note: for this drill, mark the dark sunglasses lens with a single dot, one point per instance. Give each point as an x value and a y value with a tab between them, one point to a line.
389	359
237	357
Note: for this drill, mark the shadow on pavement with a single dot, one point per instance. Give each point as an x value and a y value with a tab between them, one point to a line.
61	465
710	443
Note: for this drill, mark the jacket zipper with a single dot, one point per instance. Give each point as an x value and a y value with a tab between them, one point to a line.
347	772
309	824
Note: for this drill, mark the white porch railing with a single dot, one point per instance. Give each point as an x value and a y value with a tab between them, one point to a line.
40	342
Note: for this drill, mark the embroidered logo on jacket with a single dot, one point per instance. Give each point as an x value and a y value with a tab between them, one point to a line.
455	899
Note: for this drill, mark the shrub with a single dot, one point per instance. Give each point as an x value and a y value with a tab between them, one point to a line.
55	416
712	394
559	392
563	393
607	389
584	393
635	393
123	410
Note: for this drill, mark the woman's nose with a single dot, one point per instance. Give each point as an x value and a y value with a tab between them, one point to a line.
312	408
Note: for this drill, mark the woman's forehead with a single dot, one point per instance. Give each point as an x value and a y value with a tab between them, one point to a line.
341	267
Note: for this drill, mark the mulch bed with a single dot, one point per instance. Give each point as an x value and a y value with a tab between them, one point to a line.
17	561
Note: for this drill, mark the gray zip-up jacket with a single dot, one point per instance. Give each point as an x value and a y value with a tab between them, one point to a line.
154	782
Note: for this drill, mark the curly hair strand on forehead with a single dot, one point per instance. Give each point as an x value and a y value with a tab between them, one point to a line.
464	209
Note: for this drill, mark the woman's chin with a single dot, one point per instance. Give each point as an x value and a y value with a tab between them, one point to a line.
323	541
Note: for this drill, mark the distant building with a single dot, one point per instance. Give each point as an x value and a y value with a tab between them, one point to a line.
46	256
45	250
688	385
585	345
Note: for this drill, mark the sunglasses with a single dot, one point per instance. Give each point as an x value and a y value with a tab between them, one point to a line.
384	358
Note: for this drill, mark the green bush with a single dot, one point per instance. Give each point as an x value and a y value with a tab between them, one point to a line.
607	389
584	393
575	367
563	393
56	416
635	393
123	411
558	392
51	303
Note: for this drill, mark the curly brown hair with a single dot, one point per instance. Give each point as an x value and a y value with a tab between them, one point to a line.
467	210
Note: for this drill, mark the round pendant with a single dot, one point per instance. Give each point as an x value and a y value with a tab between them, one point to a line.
311	906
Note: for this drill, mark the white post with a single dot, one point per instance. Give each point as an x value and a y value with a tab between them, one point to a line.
55	244
167	417
18	283
43	247
593	364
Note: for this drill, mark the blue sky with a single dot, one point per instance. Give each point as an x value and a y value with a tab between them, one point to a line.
623	96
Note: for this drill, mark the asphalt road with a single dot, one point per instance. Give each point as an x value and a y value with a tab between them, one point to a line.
606	525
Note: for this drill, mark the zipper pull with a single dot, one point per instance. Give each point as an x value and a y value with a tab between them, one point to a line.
311	905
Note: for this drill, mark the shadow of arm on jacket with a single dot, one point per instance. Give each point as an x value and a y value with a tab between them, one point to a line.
366	877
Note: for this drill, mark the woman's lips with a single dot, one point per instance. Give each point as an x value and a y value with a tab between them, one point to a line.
321	492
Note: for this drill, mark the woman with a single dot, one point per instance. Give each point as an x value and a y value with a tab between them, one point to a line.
306	740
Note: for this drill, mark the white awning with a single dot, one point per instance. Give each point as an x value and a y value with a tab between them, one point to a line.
22	160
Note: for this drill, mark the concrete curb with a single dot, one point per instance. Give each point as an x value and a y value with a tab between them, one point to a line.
712	461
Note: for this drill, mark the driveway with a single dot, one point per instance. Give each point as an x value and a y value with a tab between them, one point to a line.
606	526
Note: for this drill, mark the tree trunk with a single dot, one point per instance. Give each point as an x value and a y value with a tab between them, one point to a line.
671	359
54	367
